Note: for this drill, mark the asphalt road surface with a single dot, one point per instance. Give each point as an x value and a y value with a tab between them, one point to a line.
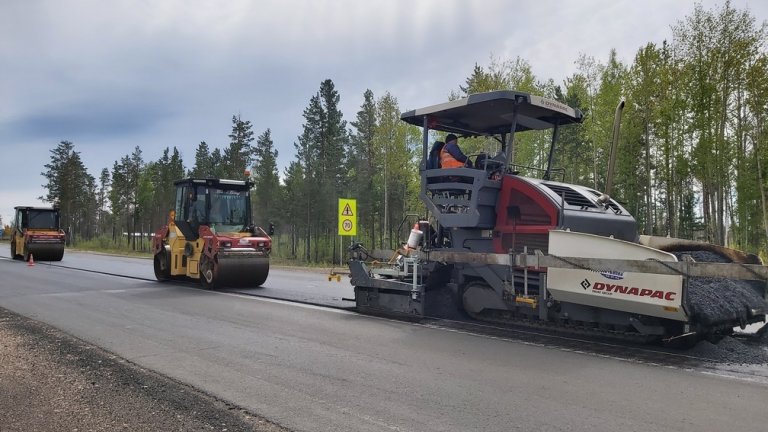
311	286
319	369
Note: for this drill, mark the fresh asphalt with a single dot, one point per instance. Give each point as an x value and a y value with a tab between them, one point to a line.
313	368
295	284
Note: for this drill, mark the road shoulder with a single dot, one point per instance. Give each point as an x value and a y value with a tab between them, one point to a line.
52	381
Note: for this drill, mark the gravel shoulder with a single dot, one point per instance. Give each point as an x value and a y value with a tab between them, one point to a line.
51	381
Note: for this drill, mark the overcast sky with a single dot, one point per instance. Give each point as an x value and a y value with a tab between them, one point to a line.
111	75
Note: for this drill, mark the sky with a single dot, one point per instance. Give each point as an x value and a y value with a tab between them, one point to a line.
112	75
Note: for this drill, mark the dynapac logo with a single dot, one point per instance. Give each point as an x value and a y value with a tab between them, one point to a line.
610	289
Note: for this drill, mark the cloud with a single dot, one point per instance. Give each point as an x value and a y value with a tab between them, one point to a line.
92	119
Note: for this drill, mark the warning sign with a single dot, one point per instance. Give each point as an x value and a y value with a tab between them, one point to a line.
347	211
347	217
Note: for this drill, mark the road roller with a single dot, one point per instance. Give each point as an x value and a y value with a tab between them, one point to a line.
210	236
37	234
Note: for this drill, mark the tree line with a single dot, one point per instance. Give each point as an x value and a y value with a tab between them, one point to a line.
691	163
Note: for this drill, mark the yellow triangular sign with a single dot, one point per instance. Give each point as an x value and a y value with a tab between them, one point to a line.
347	211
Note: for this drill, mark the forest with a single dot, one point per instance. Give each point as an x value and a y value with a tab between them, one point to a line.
691	162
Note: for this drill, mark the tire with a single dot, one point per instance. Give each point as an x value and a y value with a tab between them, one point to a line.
208	276
462	299
162	267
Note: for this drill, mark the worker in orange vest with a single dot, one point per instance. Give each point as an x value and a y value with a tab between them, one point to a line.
451	155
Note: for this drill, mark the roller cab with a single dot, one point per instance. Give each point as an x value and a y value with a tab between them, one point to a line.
210	236
37	234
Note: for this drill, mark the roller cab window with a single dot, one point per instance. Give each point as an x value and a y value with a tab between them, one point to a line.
228	210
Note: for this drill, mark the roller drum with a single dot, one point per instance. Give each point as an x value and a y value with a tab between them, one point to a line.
242	270
46	251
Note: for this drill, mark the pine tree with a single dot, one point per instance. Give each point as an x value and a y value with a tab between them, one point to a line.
218	167
162	174
203	162
307	160
265	175
365	162
334	164
238	156
125	193
145	207
101	201
69	188
335	138
293	206
320	152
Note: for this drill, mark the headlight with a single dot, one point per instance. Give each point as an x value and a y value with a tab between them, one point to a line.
226	244
261	244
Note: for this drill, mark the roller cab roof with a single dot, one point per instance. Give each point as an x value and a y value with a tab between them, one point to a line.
218	183
36	208
492	113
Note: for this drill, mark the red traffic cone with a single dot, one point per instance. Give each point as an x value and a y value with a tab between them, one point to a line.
31	262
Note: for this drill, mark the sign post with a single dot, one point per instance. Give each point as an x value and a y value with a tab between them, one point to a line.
347	224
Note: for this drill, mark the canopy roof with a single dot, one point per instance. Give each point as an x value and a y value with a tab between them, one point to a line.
491	113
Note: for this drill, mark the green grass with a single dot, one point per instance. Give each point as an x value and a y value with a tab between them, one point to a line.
107	245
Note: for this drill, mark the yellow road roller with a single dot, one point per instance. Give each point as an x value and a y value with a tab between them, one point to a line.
210	236
37	234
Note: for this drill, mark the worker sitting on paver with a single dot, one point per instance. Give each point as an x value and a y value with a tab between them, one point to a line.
451	155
